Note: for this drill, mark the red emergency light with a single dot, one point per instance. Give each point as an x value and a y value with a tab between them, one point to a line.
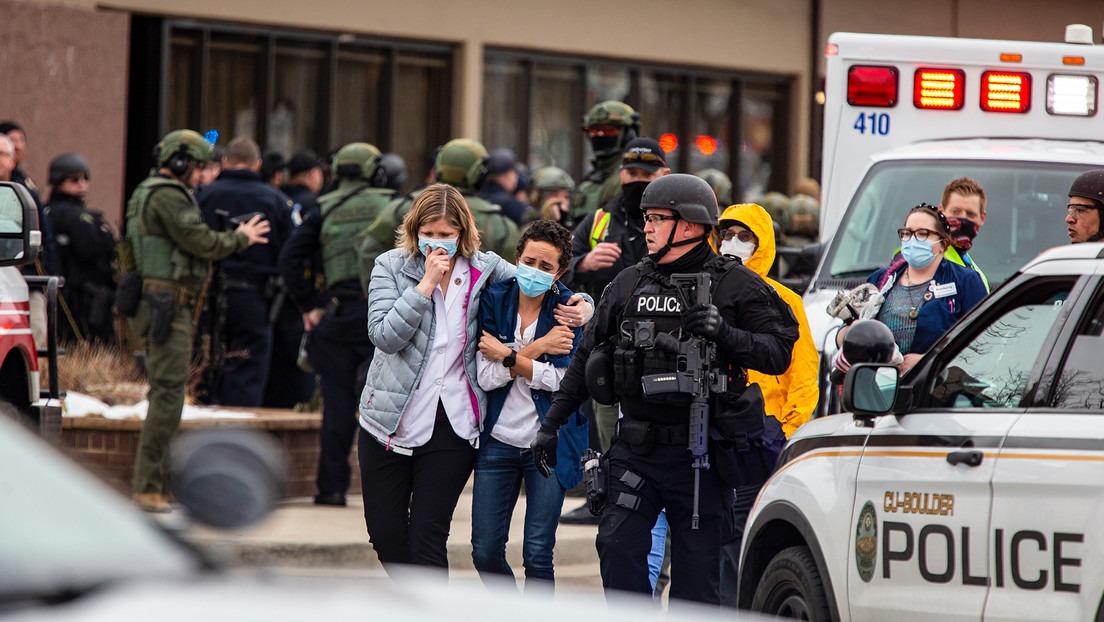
939	89
871	85
706	144
668	142
1005	91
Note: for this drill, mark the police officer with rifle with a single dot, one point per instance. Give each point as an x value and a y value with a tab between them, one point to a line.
671	339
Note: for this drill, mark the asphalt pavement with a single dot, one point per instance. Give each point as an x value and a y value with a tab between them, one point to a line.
302	538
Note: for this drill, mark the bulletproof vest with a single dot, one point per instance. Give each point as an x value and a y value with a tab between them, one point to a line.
345	213
155	254
653	306
496	231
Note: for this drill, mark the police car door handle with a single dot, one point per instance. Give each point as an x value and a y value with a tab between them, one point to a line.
969	457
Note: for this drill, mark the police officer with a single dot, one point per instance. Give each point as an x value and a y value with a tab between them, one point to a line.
550	193
1085	212
87	247
334	316
172	248
462	164
251	276
500	187
650	465
610	126
720	183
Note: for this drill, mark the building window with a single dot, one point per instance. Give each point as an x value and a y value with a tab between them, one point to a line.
290	90
734	122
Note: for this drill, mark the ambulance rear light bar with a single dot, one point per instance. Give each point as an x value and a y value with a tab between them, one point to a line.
870	85
1005	91
939	89
1071	95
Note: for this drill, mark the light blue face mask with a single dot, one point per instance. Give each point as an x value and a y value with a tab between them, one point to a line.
918	253
533	282
449	244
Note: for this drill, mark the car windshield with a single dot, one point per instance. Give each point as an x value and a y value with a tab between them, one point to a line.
63	532
1025	208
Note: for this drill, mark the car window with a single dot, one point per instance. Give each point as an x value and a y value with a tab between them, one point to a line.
1080	383
993	369
1024	210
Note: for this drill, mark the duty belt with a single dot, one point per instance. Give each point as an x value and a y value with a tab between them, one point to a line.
678	434
182	296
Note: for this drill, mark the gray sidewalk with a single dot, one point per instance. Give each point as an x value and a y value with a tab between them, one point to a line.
300	535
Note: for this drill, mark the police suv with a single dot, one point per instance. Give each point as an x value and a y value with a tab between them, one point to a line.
904	115
971	488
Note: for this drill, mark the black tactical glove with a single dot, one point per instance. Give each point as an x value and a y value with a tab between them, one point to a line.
544	448
705	321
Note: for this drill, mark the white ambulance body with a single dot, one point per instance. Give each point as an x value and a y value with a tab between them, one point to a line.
904	115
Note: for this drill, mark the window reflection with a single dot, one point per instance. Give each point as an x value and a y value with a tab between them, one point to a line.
554	117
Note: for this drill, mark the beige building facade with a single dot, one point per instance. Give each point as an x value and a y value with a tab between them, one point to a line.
728	84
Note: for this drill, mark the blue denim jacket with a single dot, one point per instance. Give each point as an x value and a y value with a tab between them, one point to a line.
498	309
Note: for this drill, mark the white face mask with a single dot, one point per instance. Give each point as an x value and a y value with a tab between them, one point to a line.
736	248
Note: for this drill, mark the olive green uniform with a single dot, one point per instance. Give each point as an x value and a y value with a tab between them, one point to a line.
172	250
598	188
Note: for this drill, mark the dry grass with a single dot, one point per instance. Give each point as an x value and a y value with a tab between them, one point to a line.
102	371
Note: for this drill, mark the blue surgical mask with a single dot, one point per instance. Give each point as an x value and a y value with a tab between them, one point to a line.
533	282
918	253
449	244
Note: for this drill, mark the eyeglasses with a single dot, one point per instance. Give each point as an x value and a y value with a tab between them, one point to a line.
743	236
78	177
596	131
656	219
1077	209
923	235
642	156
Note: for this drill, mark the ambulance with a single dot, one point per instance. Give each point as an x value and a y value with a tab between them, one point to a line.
971	488
21	395
904	115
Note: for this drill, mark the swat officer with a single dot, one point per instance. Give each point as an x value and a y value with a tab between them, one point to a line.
87	247
609	126
251	278
172	247
334	316
462	163
650	465
1085	212
550	195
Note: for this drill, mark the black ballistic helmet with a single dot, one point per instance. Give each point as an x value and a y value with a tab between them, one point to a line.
689	196
395	167
1089	185
868	341
65	165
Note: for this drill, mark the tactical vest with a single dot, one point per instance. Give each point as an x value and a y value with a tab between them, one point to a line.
497	232
156	255
653	299
595	191
345	213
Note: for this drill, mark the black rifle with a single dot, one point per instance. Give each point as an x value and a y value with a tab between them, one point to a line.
701	378
215	306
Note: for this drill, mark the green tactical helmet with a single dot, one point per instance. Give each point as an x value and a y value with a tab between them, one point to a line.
359	161
462	163
778	206
617	114
721	184
187	143
552	178
803	216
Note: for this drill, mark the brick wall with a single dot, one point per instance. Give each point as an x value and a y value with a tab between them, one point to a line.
107	446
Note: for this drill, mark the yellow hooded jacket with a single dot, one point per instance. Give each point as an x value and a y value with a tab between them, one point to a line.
792	396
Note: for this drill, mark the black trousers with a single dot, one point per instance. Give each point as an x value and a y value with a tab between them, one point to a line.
340	351
409	500
730	552
625	533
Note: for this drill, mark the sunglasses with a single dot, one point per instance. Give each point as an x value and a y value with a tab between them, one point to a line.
743	236
656	219
602	131
642	156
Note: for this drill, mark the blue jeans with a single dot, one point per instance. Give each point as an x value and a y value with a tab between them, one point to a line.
500	470
659	549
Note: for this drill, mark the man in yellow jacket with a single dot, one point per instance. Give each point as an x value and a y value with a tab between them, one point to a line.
747	232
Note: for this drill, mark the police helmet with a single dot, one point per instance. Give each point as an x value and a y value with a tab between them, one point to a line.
721	184
359	161
803	216
462	163
179	147
868	341
395	168
1089	185
778	206
617	114
65	165
552	178
688	196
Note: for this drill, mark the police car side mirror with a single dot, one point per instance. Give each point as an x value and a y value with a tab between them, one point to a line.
20	238
870	390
